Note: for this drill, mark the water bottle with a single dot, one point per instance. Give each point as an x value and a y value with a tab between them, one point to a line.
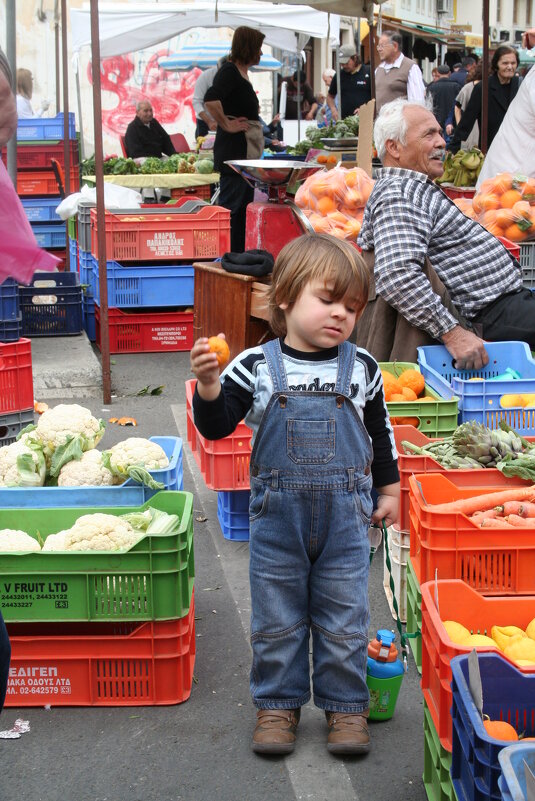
384	675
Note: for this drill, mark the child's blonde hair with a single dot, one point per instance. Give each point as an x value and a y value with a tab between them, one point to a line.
316	257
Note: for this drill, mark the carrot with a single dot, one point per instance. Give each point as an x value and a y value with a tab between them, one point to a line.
512	508
468	506
520	522
478	517
495	522
527	509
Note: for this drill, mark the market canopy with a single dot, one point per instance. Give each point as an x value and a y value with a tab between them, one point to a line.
345	8
206	55
127	29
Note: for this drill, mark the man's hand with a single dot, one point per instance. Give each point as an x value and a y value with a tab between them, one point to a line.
236	125
467	349
212	125
449	129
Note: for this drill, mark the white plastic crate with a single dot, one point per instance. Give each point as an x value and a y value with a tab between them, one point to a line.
527	262
399	550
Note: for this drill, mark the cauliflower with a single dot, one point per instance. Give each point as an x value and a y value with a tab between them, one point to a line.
15	541
133	458
100	532
65	432
56	542
22	465
89	471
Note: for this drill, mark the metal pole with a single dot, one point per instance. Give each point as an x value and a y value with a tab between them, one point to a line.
101	211
66	139
485	79
11	54
56	46
372	55
79	104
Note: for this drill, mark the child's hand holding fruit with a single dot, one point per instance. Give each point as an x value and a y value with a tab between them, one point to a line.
207	356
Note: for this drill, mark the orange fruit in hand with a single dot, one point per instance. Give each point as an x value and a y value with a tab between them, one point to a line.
500	730
220	348
412	379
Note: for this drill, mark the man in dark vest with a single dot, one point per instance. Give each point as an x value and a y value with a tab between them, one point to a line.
396	76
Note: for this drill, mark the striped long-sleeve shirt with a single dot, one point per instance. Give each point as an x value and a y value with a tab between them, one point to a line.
247	388
408	218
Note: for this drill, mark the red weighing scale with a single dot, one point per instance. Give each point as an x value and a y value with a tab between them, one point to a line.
273	223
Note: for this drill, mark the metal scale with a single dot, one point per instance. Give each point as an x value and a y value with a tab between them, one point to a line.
344	149
270	225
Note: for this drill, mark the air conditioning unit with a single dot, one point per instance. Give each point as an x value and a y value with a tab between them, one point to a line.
494	34
504	35
444	7
518	36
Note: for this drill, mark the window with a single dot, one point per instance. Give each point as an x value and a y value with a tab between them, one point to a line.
515	12
498	10
528	13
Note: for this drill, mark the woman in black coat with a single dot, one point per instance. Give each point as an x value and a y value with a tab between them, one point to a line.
502	87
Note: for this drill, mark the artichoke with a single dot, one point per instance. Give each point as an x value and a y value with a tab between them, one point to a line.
486	446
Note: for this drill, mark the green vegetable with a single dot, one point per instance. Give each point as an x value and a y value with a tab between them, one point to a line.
204	166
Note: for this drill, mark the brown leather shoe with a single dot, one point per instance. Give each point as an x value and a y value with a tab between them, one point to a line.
275	731
348	733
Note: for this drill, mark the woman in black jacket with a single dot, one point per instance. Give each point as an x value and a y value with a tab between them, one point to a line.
502	87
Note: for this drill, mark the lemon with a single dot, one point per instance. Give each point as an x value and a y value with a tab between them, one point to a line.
530	629
520	648
479	639
502	634
510	401
456	631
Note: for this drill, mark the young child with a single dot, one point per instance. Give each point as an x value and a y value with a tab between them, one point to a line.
321	436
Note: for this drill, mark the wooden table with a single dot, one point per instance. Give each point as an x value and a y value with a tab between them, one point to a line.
231	303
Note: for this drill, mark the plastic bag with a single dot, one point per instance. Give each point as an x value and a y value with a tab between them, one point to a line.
20	254
505	206
115	197
334	200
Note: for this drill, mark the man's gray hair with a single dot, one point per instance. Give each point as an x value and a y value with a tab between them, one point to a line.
394	37
391	123
142	103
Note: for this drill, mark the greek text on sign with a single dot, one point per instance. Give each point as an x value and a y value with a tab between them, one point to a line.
166	243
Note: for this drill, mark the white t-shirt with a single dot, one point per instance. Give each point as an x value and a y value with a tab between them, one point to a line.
25	110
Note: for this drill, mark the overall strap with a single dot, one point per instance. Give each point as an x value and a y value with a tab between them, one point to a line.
347	352
273	354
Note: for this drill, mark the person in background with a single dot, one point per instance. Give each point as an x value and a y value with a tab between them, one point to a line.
502	87
205	122
145	136
323	114
462	69
443	93
355	85
396	76
24	96
435	75
233	103
322	438
475	73
8	128
307	99
273	134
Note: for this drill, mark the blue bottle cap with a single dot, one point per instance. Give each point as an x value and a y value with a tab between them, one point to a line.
386	637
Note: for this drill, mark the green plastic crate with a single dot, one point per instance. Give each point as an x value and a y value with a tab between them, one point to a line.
436	419
437	764
414	615
72	227
151	581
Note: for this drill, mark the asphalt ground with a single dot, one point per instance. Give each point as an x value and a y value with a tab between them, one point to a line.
200	750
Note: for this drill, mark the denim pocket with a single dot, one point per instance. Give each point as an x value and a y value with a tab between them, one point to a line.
363	498
258	500
310	441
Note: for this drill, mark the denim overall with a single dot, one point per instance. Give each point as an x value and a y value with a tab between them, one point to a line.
309	515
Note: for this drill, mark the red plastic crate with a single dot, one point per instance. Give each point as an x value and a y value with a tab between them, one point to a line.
147	332
455	192
457	601
224	463
31	157
202	192
101	664
43	182
410	464
145	236
512	247
16	381
494	561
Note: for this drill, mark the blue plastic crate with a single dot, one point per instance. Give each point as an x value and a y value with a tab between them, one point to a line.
512	782
233	514
73	256
50	235
41	209
9	300
508	695
88	314
12	424
51	305
10	329
44	128
51	497
85	261
150	285
480	400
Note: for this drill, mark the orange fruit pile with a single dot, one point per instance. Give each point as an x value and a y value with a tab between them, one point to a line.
334	201
505	206
406	387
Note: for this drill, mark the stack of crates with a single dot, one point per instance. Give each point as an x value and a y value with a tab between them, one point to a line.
150	274
39	140
101	628
16	389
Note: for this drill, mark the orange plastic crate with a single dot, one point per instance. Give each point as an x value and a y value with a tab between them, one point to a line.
145	236
16	380
43	182
202	192
457	601
138	331
494	561
224	463
96	664
410	464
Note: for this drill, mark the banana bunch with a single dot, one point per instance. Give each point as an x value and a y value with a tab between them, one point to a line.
463	168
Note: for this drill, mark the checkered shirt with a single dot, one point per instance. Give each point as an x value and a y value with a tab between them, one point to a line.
408	218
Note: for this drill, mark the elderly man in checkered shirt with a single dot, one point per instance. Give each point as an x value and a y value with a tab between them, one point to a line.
408	218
